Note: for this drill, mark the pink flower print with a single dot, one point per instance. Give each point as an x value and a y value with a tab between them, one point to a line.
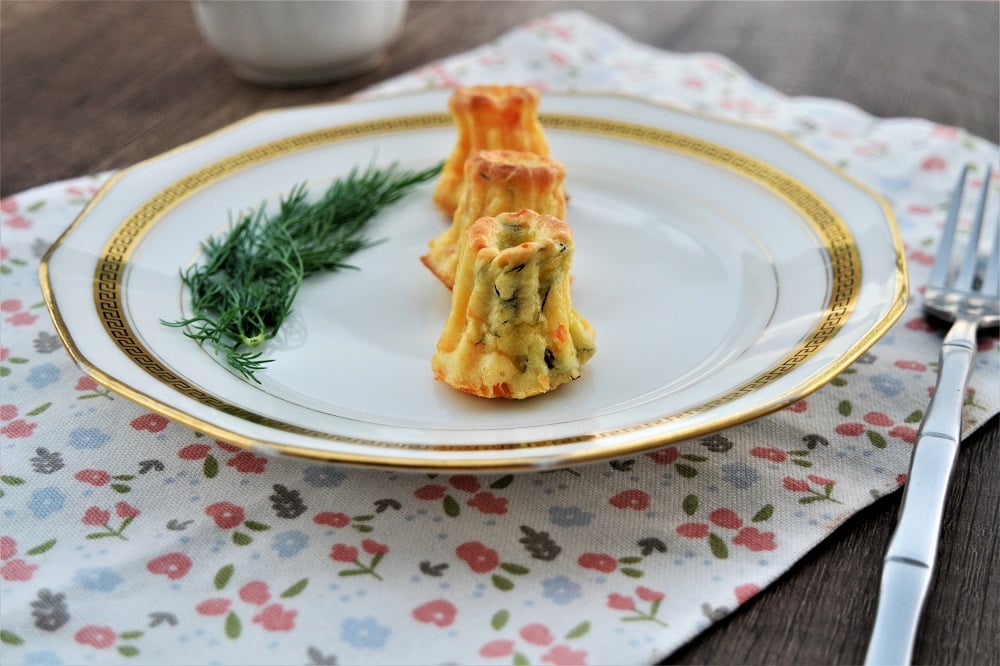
488	503
745	592
647	594
803	486
755	540
343	553
598	561
536	634
85	384
634	499
171	565
430	492
20	317
194	451
10	305
255	592
226	514
8	205
8	547
248	463
333	519
17	428
98	637
215	606
374	547
497	648
767	453
726	518
440	612
905	433
910	365
95	477
620	602
795	485
8	412
664	456
798	407
276	618
17	570
933	163
150	422
126	510
693	530
465	482
479	558
96	516
562	655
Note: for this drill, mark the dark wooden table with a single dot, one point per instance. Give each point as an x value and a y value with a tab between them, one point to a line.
89	86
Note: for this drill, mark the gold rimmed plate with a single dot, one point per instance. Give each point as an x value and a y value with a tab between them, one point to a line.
727	272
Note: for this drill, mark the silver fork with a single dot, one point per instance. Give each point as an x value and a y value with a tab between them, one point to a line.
969	303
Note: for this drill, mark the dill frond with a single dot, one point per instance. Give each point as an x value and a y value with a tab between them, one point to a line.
244	289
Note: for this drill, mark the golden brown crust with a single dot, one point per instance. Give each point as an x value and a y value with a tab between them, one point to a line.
486	118
497	181
512	331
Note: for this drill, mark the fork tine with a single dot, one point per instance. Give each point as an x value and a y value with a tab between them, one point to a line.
967	269
991	279
939	271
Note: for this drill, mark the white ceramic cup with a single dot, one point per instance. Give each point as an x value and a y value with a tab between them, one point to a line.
300	42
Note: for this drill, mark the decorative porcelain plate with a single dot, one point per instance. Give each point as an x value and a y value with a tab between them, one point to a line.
726	271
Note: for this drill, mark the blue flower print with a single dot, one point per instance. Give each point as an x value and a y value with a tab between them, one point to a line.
364	633
887	385
46	501
87	438
43	375
324	476
569	516
288	544
42	658
739	475
560	589
101	579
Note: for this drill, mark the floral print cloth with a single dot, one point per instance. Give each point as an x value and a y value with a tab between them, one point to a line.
128	538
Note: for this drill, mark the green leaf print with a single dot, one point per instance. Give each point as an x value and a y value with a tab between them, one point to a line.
41	548
515	569
130	635
686	470
632	573
38	410
11	480
877	440
579	630
499	619
521	660
690	505
915	417
255	526
845	408
233	625
502	583
295	589
718	546
10	638
210	467
763	514
451	506
223	576
241	539
128	650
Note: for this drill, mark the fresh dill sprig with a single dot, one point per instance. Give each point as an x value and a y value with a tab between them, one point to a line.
244	289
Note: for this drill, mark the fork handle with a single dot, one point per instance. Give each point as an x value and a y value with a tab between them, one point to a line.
908	566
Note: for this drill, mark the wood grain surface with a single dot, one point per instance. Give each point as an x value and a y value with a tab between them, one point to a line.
89	86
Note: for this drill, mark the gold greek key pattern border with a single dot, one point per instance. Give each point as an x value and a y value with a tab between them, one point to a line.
845	266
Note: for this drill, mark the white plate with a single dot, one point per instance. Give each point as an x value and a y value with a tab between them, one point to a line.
727	272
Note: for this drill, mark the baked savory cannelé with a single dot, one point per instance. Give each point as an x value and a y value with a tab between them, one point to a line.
497	181
512	331
491	117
